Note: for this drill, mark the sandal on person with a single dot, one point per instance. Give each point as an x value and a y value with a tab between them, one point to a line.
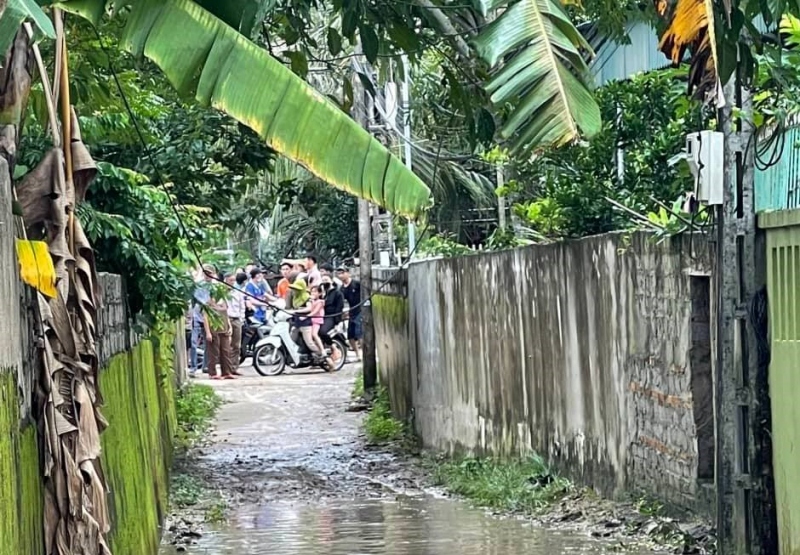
216	377
228	377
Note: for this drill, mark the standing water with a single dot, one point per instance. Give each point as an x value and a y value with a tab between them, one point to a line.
300	480
403	526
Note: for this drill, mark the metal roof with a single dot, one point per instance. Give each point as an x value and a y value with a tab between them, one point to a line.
617	62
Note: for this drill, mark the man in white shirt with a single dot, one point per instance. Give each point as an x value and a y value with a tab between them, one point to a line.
313	275
236	312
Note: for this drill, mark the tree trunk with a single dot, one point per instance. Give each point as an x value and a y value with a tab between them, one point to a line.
15	88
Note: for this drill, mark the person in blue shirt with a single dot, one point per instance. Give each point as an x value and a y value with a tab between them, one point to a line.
259	294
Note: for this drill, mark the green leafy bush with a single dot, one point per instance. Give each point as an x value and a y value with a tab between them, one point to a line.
196	405
525	485
379	425
562	192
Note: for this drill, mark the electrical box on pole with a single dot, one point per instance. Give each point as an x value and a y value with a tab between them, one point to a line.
705	153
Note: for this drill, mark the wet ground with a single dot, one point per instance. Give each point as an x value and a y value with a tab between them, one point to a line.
297	477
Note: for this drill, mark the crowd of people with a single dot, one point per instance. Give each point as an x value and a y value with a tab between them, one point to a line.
317	296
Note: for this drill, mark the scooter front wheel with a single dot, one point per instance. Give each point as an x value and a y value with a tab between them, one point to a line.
269	361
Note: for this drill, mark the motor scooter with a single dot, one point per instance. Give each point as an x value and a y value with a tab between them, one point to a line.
284	347
253	331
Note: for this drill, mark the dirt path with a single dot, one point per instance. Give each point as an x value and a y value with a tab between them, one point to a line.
289	439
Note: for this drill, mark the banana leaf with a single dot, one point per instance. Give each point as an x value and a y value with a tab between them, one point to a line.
203	56
690	27
537	56
16	12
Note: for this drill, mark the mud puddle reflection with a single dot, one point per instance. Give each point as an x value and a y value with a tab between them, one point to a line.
404	526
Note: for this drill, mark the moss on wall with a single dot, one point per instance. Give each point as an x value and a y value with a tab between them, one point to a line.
20	486
138	392
391	331
393	310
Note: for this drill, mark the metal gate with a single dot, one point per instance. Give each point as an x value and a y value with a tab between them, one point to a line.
783	288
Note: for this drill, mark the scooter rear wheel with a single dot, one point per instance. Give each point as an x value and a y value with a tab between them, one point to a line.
269	361
339	345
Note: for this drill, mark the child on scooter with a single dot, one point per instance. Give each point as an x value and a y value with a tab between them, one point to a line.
317	314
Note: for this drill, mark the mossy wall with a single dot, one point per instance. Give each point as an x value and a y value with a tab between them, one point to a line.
139	403
20	485
138	392
390	315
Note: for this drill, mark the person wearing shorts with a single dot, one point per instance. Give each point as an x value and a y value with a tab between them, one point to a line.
351	289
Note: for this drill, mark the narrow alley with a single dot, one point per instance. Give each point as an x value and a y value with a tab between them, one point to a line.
299	478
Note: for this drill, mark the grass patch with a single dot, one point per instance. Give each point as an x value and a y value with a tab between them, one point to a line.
379	425
358	386
217	511
195	406
525	485
185	491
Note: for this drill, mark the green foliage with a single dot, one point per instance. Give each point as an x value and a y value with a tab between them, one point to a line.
777	85
525	485
649	507
358	386
315	219
216	512
675	220
207	161
504	239
562	192
444	245
196	405
136	233
185	490
14	12
379	425
543	76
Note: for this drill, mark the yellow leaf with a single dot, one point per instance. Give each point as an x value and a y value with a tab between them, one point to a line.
36	267
691	27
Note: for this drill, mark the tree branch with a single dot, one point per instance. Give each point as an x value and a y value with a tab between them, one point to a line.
439	20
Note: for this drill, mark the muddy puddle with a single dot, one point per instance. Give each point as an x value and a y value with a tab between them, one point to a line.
295	475
421	525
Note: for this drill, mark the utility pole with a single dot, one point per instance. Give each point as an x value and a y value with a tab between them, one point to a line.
370	363
746	522
412	231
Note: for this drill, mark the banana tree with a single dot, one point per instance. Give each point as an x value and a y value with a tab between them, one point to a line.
211	59
540	71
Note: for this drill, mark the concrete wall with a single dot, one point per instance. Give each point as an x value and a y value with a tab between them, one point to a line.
20	488
581	351
137	384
